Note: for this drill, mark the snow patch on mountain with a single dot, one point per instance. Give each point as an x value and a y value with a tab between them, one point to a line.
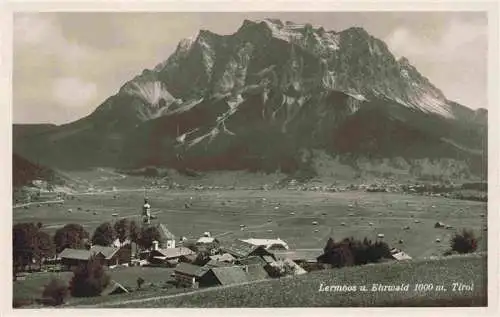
150	92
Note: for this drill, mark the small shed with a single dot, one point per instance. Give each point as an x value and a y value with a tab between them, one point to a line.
399	255
114	288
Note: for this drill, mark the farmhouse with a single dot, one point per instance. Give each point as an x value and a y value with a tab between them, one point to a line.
109	256
189	275
169	256
74	257
240	249
268	244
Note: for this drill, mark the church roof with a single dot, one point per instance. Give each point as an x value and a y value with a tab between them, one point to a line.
165	233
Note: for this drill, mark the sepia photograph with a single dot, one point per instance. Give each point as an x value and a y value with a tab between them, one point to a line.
249	159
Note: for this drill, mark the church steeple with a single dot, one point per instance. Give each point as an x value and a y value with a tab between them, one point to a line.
146	212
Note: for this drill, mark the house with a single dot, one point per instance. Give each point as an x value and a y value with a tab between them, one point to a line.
114	288
167	238
255	272
240	249
169	256
74	257
190	258
225	276
254	260
189	275
108	256
111	255
207	240
299	256
268	244
294	268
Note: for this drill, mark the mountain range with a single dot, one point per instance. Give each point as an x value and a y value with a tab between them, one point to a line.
269	97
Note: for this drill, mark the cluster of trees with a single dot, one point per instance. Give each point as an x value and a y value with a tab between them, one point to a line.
30	246
349	252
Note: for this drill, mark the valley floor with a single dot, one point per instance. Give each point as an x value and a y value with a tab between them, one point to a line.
305	220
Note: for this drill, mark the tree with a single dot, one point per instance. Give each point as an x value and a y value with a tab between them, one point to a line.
202	258
464	242
70	236
56	291
122	229
147	236
134	231
330	245
104	235
24	244
89	279
45	247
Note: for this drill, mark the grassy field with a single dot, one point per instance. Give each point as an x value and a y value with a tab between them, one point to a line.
155	279
303	291
268	214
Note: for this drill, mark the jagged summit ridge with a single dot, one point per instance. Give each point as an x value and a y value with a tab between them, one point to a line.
351	60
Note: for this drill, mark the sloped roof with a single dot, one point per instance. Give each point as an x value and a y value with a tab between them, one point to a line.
256	272
230	275
215	263
108	252
298	254
252	260
75	254
266	242
226	257
400	256
238	247
206	240
174	252
165	233
191	270
114	288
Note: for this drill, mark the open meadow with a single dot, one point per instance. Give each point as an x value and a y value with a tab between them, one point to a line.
304	219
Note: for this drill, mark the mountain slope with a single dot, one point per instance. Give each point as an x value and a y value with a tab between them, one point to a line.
25	172
264	97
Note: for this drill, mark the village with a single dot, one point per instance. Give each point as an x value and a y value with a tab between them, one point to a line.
193	263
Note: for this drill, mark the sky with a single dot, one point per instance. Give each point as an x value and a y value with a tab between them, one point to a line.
66	64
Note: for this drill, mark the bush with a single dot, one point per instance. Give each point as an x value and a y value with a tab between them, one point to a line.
89	279
55	292
464	242
140	282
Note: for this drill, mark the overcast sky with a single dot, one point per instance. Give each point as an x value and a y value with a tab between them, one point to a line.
66	64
